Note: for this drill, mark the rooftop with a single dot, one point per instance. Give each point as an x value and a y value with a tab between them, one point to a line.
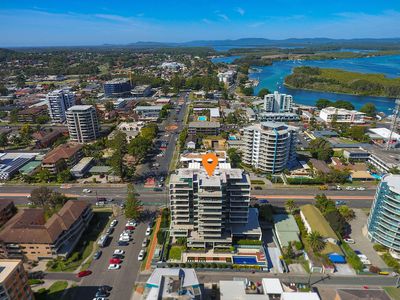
204	124
64	151
393	181
285	222
80	107
358	294
29	225
7	266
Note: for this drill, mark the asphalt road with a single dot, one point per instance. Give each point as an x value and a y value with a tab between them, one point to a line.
122	281
276	196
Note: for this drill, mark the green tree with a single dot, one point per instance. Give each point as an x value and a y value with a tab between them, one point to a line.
316	242
109	106
247	91
44	175
322	103
133	205
263	92
369	109
290	206
321	149
40	196
234	157
324	204
64	176
3	140
347	213
335	220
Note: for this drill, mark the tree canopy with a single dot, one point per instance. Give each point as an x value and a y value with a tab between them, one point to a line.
321	149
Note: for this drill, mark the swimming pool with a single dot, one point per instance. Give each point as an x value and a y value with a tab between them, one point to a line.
202	118
376	176
245	260
232	138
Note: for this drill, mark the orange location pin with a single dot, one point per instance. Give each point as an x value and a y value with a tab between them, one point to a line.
210	162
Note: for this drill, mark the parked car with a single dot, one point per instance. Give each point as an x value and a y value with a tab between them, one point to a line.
120	256
122	243
141	255
129	227
110	230
148	231
119	251
101	293
84	273
114	223
97	254
361	188
124	239
115	261
145	242
114	267
349	241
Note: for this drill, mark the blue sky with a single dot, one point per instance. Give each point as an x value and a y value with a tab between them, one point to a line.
94	22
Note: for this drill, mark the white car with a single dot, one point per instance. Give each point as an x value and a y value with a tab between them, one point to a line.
119	251
148	231
145	242
361	188
124	239
366	262
114	223
114	266
362	257
131	223
87	191
141	255
349	241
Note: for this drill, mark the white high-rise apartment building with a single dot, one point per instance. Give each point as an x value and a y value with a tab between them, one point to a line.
209	210
270	146
83	125
278	103
58	102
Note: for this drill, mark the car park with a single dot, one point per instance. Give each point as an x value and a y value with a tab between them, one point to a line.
114	267
97	254
84	273
141	255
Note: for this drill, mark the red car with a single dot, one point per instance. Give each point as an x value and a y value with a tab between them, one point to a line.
115	261
130	227
84	273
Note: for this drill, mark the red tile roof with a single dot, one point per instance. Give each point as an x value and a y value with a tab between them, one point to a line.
64	151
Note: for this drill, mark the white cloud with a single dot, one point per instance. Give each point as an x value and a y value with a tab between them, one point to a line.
207	21
241	11
223	16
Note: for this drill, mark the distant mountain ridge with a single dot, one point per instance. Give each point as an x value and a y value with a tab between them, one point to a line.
262	42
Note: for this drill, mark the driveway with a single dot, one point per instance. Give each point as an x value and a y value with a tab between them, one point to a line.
362	242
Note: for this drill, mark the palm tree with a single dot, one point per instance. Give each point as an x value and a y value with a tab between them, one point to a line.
316	242
291	206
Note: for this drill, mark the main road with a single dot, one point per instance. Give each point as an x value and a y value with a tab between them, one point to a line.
149	197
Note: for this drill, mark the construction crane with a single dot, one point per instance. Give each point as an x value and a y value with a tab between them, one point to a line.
393	126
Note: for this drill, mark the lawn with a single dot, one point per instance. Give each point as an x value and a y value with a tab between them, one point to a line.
54	292
392	291
175	253
84	247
